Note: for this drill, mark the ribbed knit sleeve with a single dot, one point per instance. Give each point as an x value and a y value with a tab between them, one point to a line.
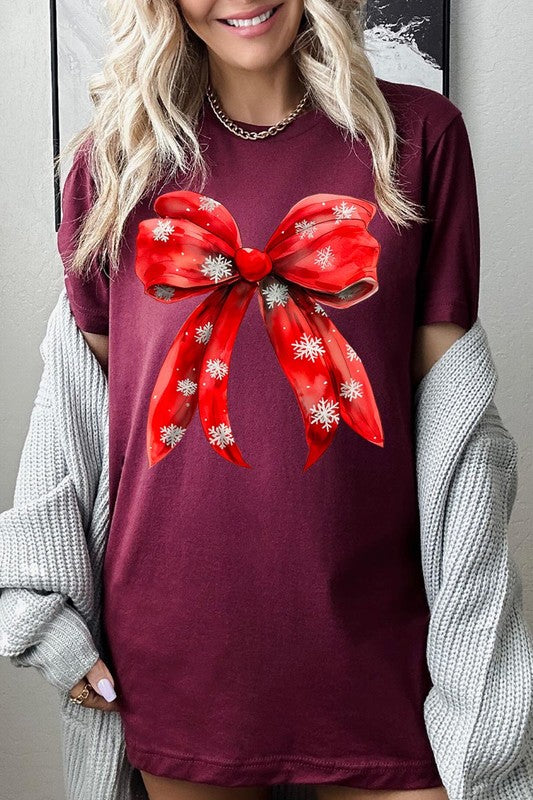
46	584
479	711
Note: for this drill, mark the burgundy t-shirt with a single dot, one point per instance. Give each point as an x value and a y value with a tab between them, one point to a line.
269	624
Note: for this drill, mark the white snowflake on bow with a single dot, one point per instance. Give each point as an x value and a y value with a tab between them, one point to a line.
217	267
305	229
325	257
163	291
171	434
163	230
324	413
347	294
309	347
351	389
186	386
352	355
320	310
276	294
216	368
203	333
221	435
207	203
343	211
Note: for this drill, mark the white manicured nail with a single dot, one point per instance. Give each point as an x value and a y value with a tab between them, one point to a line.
105	687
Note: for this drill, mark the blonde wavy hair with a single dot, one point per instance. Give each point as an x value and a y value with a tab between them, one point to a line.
148	96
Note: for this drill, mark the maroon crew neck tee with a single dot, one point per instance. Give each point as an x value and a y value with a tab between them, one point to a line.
269	625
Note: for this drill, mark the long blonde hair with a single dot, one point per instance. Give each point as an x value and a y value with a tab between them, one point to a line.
150	91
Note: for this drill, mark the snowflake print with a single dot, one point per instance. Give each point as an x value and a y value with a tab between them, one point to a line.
207	203
276	293
351	389
346	294
308	347
221	435
216	368
320	310
203	333
305	229
352	355
324	413
324	257
217	267
171	434
186	387
163	230
163	291
344	211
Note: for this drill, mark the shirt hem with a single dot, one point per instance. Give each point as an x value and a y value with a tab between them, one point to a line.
274	770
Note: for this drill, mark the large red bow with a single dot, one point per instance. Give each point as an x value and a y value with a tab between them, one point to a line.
321	250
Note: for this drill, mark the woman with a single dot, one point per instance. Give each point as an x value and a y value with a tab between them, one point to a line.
265	615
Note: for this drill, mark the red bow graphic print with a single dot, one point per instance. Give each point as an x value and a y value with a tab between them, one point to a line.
321	252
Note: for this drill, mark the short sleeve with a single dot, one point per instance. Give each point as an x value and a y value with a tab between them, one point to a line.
449	272
89	295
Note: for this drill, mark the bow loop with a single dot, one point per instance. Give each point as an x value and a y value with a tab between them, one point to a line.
188	250
323	245
321	250
205	212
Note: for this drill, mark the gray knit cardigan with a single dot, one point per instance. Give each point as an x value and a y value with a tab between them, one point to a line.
479	711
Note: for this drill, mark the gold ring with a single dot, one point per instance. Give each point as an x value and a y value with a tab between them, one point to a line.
83	695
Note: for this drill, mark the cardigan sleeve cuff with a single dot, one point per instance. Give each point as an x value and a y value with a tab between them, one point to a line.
65	651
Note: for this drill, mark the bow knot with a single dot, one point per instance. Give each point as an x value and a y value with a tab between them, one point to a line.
320	251
252	264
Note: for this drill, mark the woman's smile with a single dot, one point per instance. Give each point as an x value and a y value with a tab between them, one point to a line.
254	23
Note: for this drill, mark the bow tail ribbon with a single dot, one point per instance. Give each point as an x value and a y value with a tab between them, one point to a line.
324	371
305	361
175	393
357	402
214	373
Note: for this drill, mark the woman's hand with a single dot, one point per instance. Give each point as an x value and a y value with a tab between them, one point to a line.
102	684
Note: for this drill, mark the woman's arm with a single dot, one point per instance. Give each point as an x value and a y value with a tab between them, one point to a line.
99	344
430	343
46	582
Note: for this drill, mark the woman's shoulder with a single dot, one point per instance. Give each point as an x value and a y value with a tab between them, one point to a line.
421	113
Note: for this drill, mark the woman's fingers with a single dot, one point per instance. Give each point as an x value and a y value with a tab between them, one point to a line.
102	681
103	695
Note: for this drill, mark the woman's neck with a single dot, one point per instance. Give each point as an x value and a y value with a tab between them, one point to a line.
257	97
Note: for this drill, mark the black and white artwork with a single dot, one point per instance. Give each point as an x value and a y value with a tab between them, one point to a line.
406	40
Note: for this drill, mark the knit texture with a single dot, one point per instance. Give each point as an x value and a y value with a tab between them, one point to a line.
479	711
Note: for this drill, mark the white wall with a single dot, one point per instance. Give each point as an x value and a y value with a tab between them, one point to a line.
490	82
30	761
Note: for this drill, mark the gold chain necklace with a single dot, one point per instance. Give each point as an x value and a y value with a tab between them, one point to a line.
238	131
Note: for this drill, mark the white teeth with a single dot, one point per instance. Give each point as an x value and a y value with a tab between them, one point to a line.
245	23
